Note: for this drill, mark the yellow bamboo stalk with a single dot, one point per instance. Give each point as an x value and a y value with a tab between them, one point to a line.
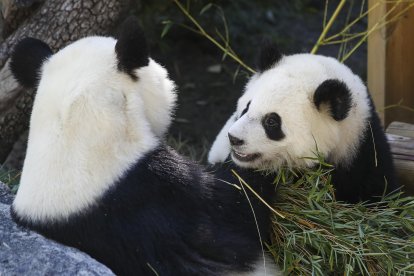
328	26
381	23
256	194
347	27
215	42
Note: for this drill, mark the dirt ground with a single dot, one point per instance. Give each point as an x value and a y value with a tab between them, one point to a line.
207	86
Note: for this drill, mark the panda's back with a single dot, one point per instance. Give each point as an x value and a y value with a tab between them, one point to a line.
165	215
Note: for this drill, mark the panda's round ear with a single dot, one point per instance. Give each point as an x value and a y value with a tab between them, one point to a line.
269	55
26	60
335	96
131	48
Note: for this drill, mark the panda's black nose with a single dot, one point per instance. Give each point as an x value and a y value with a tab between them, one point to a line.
234	141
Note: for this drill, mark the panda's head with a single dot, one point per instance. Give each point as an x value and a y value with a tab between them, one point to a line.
103	69
101	105
292	108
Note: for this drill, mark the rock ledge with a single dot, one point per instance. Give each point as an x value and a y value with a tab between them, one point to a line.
23	252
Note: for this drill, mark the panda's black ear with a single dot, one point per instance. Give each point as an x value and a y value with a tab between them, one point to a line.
131	48
335	95
269	55
26	60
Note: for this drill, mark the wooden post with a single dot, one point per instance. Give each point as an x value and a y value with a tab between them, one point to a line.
400	68
401	139
391	62
376	56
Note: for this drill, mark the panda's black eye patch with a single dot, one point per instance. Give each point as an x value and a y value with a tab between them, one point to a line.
245	109
272	124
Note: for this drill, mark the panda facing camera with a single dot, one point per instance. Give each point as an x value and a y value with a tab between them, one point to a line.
98	176
297	105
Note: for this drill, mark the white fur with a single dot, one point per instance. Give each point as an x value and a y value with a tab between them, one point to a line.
90	122
221	147
288	90
261	268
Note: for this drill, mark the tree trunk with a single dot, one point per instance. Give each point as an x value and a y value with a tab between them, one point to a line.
57	22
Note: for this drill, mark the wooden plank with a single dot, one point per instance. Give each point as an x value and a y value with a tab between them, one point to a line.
402	147
405	174
399	82
401	139
376	56
402	129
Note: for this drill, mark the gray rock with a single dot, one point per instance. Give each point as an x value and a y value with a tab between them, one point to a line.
5	196
16	157
23	252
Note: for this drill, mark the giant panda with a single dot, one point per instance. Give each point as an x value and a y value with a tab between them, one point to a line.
98	176
299	105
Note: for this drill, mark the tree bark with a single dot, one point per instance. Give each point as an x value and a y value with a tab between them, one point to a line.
15	12
57	22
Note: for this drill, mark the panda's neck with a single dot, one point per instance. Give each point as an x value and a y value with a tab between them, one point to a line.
57	182
370	174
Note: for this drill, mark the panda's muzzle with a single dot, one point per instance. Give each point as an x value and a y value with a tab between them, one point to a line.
234	141
244	157
237	142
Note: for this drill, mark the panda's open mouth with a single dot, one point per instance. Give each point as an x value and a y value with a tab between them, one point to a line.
244	157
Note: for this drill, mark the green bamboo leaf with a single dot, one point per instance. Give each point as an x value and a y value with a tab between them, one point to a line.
167	27
361	232
206	8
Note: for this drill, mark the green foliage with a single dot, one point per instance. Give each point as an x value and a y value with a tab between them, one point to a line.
313	234
11	178
319	235
185	148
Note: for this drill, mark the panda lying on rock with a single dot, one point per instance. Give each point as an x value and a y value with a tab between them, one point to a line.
299	104
99	177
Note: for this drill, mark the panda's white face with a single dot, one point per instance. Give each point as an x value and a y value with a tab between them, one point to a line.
278	123
99	107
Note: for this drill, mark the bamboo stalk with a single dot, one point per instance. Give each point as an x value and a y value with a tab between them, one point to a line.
328	26
215	42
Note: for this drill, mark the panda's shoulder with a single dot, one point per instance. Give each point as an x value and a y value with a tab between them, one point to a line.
164	157
163	164
259	180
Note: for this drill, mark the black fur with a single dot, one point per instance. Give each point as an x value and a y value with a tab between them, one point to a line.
371	173
170	216
336	95
269	56
261	182
27	58
273	131
234	141
131	48
245	109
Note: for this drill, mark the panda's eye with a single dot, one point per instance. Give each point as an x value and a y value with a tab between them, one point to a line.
272	120
272	124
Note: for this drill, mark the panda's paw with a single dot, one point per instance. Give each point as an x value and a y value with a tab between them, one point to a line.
218	154
221	148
